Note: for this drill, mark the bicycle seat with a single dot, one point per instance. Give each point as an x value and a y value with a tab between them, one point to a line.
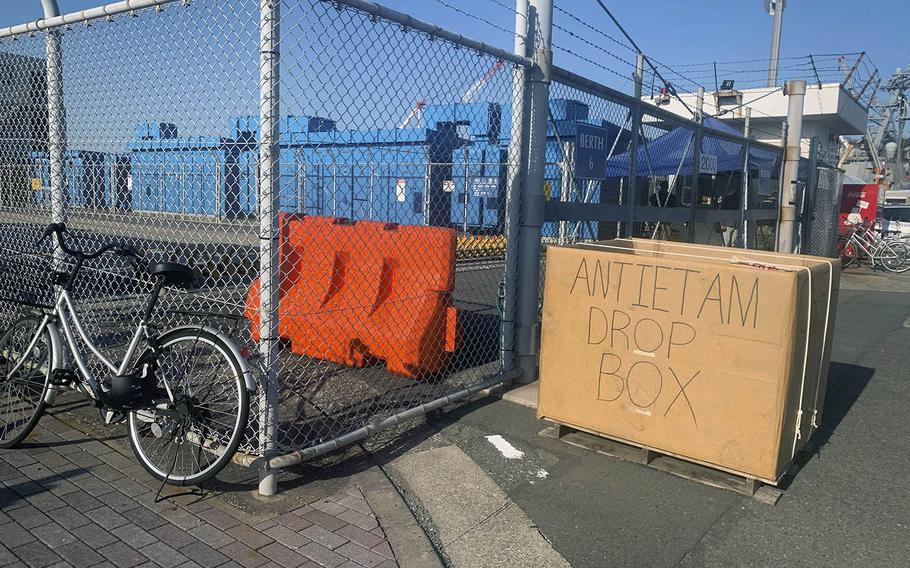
173	273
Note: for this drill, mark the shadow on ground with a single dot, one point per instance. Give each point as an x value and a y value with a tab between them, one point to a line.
846	383
301	484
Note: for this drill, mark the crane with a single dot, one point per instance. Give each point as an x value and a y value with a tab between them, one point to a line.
468	96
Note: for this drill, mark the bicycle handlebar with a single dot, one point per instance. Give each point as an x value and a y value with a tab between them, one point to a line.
57	229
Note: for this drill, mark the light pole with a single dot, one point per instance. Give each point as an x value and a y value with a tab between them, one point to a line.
775	8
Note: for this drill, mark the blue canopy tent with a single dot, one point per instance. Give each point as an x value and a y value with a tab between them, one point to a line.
672	153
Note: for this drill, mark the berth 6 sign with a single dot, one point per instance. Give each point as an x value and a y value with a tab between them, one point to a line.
590	151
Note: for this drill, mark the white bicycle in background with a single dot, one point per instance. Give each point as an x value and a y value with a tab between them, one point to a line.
185	392
882	249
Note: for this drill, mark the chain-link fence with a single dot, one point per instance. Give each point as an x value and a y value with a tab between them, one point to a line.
345	181
337	178
665	177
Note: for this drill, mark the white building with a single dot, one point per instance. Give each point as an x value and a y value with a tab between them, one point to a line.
829	111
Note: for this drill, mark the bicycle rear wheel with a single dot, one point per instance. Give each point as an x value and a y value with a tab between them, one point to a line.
188	442
22	393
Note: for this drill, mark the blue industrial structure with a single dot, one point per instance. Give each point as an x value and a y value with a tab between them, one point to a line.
85	178
450	170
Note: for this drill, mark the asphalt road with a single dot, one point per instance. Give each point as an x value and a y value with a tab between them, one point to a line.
849	505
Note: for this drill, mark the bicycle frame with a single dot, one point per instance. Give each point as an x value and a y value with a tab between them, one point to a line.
861	244
64	310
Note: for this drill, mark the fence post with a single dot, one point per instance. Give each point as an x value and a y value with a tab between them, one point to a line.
744	197
807	202
632	186
268	236
56	123
780	179
518	157
796	91
540	16
565	185
696	160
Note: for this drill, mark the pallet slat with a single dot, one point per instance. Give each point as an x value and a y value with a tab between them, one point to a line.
705	475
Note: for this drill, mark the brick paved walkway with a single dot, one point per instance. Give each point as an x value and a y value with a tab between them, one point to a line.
67	499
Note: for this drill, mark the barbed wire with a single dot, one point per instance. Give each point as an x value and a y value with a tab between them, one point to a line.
595	46
507	7
476	17
591	61
595	30
765	60
698	73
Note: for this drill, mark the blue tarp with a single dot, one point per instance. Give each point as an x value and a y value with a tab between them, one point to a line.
673	153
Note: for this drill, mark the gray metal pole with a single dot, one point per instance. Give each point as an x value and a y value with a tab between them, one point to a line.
565	167
778	7
518	157
780	178
269	17
809	196
56	122
744	197
899	157
796	90
540	15
696	160
632	185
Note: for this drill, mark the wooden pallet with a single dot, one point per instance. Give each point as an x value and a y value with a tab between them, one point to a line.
751	487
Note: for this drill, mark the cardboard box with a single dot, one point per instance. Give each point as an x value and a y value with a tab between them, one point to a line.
712	354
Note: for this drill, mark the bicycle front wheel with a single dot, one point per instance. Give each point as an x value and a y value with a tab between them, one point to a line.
26	360
846	251
894	256
188	441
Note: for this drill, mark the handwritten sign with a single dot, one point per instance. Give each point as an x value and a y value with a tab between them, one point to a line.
724	299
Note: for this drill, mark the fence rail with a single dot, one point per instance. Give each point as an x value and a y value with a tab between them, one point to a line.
366	196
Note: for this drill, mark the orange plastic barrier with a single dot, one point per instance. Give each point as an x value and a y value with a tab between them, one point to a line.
360	292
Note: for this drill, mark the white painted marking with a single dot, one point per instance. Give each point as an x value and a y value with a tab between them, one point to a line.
644	353
640	410
505	448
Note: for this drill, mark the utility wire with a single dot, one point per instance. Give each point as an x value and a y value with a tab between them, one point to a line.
668	86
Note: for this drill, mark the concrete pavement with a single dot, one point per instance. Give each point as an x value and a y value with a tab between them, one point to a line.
849	505
479	487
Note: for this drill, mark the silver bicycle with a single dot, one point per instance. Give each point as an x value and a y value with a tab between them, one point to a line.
185	392
863	242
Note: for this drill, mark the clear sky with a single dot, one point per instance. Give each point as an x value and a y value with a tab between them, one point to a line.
673	31
686	34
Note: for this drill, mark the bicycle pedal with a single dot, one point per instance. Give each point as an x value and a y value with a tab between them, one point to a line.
63	377
112	416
